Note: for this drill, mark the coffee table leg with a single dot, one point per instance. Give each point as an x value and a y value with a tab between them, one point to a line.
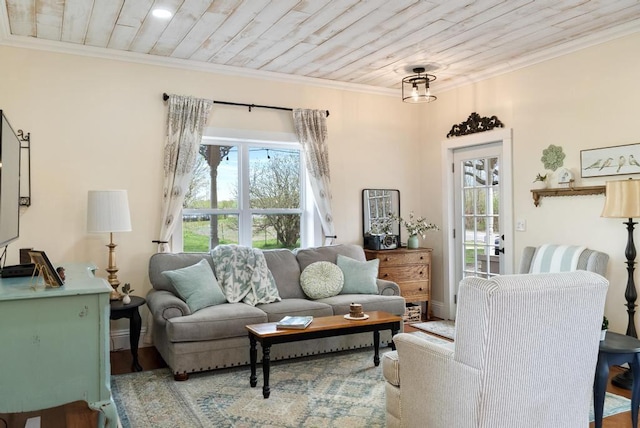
266	362
394	330
376	348
253	357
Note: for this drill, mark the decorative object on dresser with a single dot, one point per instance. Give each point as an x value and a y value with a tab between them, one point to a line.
381	227
410	269
108	212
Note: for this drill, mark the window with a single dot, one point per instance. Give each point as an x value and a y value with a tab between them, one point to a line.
247	193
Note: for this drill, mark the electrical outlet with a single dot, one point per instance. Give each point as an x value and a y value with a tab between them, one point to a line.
521	225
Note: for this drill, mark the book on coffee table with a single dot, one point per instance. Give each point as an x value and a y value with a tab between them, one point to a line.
294	322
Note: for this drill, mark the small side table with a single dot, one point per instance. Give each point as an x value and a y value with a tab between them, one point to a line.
616	349
130	311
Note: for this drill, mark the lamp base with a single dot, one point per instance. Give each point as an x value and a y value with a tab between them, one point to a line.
115	295
623	380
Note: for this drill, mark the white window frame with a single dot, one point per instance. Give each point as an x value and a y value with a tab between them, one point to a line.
310	230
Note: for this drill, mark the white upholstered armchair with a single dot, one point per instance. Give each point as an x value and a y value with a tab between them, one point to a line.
524	356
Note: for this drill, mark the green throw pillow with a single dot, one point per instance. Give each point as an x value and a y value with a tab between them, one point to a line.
359	277
196	285
321	279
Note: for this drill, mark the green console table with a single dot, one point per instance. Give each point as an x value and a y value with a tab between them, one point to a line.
54	344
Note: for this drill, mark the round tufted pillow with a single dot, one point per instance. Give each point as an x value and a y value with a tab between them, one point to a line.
321	279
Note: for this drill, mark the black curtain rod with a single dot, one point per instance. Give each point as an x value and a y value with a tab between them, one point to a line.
165	97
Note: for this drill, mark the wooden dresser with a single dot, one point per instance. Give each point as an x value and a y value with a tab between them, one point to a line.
410	269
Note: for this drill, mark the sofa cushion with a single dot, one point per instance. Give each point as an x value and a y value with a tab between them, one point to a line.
321	279
215	322
359	277
306	256
277	310
161	262
370	302
196	285
285	270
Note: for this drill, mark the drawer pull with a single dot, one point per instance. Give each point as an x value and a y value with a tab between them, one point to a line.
421	257
420	272
386	275
420	288
386	259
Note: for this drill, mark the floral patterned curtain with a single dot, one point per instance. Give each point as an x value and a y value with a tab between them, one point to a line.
311	128
185	124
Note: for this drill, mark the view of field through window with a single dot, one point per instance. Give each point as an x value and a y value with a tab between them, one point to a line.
246	194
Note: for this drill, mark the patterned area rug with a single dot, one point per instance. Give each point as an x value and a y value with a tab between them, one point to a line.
445	328
333	390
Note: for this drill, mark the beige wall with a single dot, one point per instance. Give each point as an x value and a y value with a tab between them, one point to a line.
584	100
99	124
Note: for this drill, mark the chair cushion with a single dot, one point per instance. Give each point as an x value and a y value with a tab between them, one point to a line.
196	285
321	279
391	367
359	277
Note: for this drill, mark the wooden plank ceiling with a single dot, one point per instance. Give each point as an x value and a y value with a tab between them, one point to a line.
366	42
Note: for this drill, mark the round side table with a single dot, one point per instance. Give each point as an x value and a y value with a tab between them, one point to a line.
130	311
616	349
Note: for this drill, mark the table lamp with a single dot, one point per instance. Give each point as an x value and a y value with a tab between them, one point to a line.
108	212
622	200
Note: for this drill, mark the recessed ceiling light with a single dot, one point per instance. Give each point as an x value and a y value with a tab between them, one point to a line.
161	13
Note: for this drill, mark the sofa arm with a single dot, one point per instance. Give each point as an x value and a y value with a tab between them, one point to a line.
165	305
432	384
387	288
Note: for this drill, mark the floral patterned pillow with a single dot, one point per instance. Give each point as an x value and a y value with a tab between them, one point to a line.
321	279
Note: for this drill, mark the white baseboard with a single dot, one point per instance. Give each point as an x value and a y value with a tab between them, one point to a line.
120	339
439	310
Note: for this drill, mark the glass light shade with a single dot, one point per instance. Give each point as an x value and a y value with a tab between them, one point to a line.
108	211
622	199
415	88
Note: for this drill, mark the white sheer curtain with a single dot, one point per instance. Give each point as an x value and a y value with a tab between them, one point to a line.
185	124
311	128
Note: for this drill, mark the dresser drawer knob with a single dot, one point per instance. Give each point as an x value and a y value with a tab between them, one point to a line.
421	257
420	272
420	289
386	259
386	275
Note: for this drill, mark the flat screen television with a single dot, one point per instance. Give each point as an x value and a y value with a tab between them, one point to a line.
9	183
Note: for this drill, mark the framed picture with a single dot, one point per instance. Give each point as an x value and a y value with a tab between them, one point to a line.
45	269
616	160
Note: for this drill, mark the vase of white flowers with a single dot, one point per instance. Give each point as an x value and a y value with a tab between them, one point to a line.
416	226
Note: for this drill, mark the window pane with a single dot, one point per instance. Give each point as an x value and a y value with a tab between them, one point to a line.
215	178
274	178
201	232
276	231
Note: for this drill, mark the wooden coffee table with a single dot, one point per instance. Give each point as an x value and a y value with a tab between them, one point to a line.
337	325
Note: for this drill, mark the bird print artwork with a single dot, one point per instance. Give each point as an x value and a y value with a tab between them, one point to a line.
633	161
596	164
621	161
606	163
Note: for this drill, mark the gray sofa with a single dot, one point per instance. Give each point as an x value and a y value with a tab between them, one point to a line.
216	337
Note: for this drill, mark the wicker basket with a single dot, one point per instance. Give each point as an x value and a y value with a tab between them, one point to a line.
412	313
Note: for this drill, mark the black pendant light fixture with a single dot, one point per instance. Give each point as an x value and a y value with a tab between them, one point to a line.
415	88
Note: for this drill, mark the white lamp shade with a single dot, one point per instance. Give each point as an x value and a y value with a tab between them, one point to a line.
622	199
108	211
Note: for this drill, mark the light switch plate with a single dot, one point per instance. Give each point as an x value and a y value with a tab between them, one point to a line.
521	225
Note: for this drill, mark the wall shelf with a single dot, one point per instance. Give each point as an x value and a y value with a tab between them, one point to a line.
568	191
